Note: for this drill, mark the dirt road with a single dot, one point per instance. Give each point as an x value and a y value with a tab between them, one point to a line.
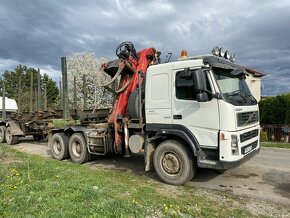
266	176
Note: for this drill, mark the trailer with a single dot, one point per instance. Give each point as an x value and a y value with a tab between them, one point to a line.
36	124
194	112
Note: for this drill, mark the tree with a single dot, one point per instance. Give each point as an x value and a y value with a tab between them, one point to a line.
287	116
275	110
21	77
86	65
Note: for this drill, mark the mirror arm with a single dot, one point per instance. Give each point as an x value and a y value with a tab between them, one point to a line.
216	95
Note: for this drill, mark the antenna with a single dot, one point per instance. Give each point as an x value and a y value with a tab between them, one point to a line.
168	56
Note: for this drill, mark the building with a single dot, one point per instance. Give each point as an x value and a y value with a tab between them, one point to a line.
10	105
254	82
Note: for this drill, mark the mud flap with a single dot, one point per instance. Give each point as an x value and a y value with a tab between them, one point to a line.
148	155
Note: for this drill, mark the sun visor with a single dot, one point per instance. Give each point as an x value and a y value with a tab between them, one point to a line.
220	63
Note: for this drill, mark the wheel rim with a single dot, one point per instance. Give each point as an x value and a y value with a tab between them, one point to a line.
170	163
56	147
8	135
76	148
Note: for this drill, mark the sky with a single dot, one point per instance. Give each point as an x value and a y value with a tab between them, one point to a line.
37	33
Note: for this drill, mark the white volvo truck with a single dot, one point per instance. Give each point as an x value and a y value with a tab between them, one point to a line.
195	112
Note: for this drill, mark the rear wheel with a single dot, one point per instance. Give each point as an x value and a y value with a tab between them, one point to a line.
78	148
10	138
2	134
59	146
173	163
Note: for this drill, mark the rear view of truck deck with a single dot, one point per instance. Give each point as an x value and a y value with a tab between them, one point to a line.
194	112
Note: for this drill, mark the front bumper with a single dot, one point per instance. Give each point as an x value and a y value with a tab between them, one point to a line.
224	165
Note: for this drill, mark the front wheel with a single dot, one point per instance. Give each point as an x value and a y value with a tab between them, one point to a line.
173	162
78	148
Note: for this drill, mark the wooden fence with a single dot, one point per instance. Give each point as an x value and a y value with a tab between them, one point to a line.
276	133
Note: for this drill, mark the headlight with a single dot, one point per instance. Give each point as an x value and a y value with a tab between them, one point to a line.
232	58
222	52
215	51
234	145
228	54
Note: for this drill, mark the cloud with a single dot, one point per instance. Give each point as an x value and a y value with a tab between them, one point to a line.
38	33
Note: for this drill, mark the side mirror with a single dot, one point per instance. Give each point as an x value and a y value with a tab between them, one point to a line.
199	79
202	97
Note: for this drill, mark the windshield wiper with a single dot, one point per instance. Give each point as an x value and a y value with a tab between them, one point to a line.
252	98
237	92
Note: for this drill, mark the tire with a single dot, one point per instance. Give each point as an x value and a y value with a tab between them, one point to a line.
78	148
10	139
59	146
2	134
173	163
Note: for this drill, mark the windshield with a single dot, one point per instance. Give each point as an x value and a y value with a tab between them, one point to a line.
233	87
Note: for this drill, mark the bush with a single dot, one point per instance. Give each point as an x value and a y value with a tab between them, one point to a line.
263	136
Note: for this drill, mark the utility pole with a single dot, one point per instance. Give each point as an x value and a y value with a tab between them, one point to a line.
36	99
31	92
3	100
64	85
84	92
19	94
45	97
38	91
60	96
75	92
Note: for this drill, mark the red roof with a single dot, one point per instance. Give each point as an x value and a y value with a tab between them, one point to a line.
254	72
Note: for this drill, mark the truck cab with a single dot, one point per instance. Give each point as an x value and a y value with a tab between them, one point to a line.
204	103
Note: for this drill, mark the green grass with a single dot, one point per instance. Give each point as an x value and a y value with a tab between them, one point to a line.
61	123
31	186
275	145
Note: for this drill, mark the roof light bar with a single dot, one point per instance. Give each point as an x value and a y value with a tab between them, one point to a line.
221	52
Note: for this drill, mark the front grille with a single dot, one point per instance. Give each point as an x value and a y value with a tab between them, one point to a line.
249	135
248	118
254	145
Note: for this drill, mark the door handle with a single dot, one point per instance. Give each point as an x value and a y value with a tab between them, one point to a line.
177	117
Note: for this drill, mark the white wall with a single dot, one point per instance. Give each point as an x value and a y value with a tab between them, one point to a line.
10	104
254	84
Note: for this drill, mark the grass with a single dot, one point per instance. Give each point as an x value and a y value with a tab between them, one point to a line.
275	145
31	186
61	123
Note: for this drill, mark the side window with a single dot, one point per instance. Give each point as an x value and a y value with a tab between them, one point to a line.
185	86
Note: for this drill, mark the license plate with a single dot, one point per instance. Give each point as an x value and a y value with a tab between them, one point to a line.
248	149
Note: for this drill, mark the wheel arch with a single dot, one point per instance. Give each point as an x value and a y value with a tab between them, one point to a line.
185	137
179	135
75	129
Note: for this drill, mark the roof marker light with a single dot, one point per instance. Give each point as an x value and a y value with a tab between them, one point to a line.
183	54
